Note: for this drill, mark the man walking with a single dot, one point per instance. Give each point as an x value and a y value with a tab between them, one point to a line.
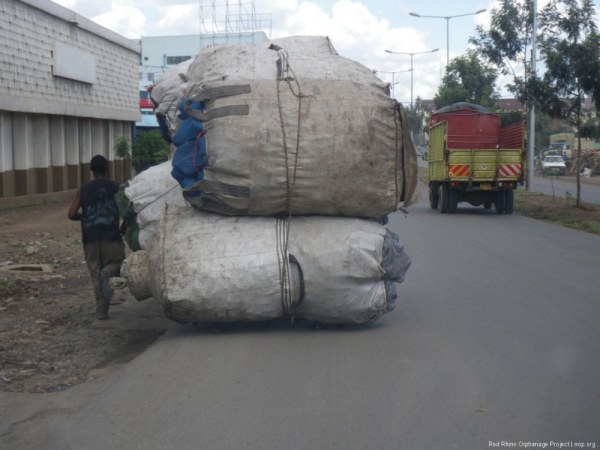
102	243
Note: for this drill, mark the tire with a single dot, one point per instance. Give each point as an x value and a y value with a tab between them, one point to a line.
445	199
434	196
499	202
452	200
509	201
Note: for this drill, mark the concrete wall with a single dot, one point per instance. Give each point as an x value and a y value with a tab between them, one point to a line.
46	154
29	38
68	90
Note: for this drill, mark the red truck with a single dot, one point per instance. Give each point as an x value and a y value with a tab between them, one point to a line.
473	159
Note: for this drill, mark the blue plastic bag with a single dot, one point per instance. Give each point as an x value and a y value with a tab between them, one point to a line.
189	162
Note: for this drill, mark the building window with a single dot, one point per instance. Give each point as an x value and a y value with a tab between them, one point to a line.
151	77
172	60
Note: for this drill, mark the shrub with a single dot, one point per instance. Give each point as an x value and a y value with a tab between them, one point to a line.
149	149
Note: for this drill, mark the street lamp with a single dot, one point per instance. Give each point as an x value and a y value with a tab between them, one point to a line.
448	27
393	83
411	66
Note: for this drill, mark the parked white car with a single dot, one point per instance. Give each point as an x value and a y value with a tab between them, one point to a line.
554	165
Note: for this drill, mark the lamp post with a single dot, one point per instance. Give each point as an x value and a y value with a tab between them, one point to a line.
393	83
531	149
411	66
448	27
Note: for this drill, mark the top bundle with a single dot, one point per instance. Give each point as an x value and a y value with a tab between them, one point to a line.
290	128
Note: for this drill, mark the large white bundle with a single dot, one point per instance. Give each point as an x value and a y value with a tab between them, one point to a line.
166	90
307	57
207	267
148	192
298	128
166	93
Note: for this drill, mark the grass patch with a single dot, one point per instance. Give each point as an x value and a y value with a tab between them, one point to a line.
559	210
6	285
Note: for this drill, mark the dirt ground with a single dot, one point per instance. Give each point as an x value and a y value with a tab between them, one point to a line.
49	338
560	210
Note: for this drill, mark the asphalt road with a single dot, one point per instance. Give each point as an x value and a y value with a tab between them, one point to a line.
495	338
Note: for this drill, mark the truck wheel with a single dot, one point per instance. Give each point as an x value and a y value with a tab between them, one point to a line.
499	202
434	196
509	201
452	200
445	199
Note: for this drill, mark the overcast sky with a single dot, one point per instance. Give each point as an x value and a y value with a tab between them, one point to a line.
359	29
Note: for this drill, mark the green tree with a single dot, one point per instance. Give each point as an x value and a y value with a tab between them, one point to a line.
417	116
506	42
468	79
149	149
590	129
122	147
570	46
508	118
544	128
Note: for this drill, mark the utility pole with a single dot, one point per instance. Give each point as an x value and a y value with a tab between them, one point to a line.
531	140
